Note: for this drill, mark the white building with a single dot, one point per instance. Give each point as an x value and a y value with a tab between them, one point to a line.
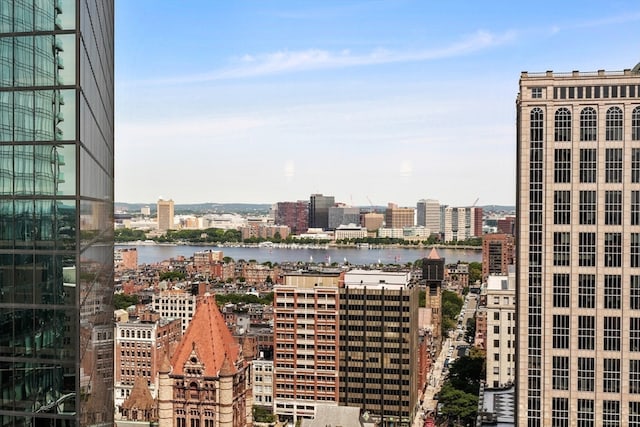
501	330
176	303
263	383
428	214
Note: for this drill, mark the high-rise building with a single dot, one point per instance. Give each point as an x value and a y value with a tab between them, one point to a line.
319	210
56	212
461	223
165	215
295	215
305	342
578	249
378	356
428	215
343	215
497	254
397	217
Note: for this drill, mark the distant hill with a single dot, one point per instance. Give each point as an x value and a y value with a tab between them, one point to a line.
201	208
253	208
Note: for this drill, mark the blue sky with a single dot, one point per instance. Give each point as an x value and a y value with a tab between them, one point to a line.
381	101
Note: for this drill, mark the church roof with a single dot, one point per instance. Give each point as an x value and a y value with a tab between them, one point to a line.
140	397
208	340
433	254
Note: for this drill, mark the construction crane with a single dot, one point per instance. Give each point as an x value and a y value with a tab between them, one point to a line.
371	204
475	203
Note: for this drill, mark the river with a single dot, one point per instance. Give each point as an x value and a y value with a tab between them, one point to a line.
149	254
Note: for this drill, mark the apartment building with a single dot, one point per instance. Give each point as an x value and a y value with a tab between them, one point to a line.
176	304
305	343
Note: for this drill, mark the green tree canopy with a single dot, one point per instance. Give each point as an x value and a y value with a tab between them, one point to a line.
122	301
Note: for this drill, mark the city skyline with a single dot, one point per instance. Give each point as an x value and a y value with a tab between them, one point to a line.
253	102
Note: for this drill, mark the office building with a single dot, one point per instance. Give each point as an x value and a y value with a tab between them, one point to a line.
319	210
397	217
500	330
56	212
343	215
305	343
578	249
165	215
428	215
295	215
378	356
497	254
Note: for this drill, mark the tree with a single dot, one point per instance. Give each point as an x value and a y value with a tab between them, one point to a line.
123	301
470	334
458	407
172	275
475	272
422	298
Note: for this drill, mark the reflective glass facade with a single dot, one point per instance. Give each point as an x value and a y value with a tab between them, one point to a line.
56	205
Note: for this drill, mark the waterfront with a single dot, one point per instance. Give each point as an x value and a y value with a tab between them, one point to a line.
149	254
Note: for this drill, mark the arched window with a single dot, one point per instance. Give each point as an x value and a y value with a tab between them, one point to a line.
588	124
635	124
614	124
537	125
563	125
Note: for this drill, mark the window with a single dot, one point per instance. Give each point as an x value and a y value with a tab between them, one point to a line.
537	125
586	332
560	411
634	334
560	373
561	248
635	124
611	376
563	125
634	291
613	130
588	124
613	165
560	290
562	165
586	249
634	414
587	214
612	333
562	207
536	92
612	289
635	165
612	249
560	331
634	376
613	207
635	208
587	291
635	250
586	374
588	164
496	315
610	413
585	413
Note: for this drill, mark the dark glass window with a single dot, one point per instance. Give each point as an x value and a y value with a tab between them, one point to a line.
562	165
563	125
635	124
613	165
588	124
613	125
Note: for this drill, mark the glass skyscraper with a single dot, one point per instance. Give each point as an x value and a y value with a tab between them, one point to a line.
56	208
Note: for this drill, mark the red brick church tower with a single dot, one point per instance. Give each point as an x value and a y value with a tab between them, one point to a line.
207	383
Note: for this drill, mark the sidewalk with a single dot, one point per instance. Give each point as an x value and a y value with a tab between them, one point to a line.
434	382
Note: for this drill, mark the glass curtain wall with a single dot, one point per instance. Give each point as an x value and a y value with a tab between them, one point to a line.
56	203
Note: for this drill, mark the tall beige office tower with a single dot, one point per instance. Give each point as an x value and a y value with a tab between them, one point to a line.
578	249
165	215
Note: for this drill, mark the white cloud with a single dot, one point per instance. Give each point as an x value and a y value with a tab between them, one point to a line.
280	62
